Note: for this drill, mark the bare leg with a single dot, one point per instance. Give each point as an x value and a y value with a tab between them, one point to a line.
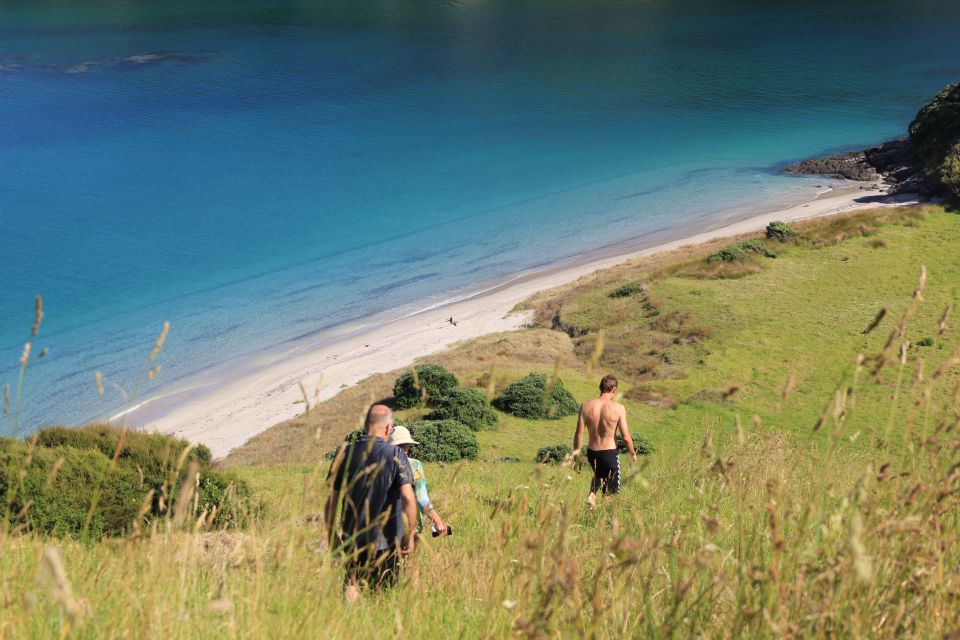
351	590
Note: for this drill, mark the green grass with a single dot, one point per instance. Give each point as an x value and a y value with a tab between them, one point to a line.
766	529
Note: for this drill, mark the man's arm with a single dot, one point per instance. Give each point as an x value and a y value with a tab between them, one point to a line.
578	433
625	433
409	501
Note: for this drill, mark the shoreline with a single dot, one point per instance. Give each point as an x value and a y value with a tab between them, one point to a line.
265	388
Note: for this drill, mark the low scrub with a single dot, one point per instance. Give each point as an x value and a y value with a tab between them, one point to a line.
780	231
467	405
950	173
641	445
742	252
425	383
554	454
99	480
534	397
443	441
626	290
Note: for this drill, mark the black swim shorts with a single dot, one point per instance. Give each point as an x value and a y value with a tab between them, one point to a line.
606	471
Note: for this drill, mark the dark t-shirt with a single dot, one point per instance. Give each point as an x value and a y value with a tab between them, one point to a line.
368	474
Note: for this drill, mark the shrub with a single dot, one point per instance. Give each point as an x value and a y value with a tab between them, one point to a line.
779	230
353	436
950	172
58	503
467	405
741	252
154	453
641	445
925	342
434	381
626	290
229	493
935	132
145	462
530	398
443	441
554	454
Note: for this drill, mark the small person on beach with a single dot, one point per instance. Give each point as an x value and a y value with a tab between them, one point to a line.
603	417
402	438
375	481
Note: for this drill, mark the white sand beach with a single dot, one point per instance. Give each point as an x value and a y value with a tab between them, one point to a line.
268	390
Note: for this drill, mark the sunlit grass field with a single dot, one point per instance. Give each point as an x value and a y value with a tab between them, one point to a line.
805	481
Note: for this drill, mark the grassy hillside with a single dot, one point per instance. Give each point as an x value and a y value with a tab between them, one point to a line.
805	480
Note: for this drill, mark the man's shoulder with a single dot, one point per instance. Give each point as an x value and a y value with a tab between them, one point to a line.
614	406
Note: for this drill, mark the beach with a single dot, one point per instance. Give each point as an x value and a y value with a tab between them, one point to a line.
224	407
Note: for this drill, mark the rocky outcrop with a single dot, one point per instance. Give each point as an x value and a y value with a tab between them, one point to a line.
908	165
893	162
850	166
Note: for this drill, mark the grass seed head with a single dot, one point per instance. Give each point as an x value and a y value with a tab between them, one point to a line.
942	323
162	338
38	316
25	356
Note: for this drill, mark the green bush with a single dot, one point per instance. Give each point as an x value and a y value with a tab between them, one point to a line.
146	462
229	493
554	454
154	453
626	290
641	445
935	132
434	381
443	441
353	436
925	342
467	405
950	172
741	252
779	230
530	398
58	503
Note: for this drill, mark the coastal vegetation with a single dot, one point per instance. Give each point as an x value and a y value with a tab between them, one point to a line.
466	405
537	397
801	476
423	384
935	136
100	480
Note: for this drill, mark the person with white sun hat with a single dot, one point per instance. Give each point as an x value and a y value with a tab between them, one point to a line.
401	437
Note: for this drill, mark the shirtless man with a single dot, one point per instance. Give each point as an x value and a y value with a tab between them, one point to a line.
602	418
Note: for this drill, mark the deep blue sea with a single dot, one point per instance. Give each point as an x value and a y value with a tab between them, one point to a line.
258	171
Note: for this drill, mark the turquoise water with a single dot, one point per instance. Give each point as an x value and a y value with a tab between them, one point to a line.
255	172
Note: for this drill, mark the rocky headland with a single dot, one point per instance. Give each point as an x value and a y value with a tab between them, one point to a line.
920	163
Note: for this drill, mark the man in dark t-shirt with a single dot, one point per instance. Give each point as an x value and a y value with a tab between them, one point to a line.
379	512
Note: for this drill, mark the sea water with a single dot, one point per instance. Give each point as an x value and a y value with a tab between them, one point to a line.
256	172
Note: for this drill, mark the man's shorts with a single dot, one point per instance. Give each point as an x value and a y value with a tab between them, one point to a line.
373	569
606	471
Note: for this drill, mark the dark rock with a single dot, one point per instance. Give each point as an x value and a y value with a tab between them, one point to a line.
850	166
893	161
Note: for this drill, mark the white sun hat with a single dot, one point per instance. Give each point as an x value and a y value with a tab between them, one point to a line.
401	435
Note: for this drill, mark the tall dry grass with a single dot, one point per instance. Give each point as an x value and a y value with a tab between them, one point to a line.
745	532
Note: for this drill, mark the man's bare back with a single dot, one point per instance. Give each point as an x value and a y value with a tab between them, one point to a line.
602	418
